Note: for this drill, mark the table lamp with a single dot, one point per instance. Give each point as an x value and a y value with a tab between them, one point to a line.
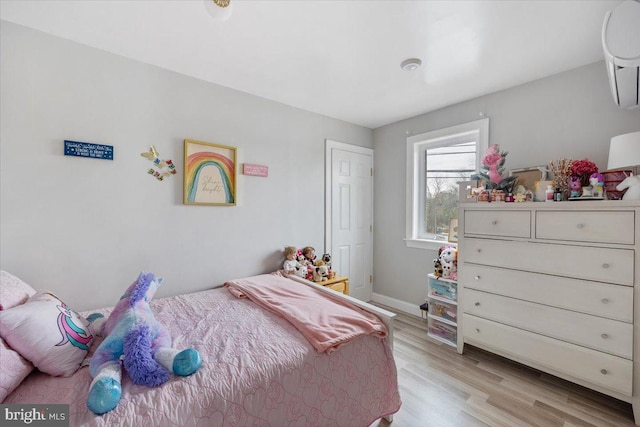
624	152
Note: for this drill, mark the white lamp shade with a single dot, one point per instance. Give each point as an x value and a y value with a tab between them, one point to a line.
624	151
217	12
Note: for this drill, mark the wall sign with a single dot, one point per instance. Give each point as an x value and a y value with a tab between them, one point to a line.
255	170
86	149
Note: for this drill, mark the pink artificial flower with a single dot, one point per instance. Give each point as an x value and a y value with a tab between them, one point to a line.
491	160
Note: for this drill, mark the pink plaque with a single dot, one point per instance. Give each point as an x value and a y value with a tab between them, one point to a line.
255	170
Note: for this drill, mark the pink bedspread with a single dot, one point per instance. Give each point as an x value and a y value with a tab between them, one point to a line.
326	322
258	370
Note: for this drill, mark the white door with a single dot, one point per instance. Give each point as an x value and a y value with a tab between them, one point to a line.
349	214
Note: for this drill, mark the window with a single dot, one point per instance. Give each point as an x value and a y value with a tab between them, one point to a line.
436	161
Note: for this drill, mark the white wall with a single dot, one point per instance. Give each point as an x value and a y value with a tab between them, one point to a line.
84	228
569	115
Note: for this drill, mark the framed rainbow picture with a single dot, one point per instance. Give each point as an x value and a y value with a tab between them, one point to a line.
209	174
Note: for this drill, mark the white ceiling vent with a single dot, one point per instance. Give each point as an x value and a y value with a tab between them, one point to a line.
621	44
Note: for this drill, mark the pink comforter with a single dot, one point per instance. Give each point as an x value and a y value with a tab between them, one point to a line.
326	322
258	370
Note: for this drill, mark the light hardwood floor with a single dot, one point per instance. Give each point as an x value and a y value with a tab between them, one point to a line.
440	388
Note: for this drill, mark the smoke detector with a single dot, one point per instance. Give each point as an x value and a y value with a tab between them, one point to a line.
411	64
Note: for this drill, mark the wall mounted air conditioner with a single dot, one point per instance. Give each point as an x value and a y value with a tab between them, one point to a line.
621	45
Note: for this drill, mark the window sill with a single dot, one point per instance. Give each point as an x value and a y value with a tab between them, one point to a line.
427	244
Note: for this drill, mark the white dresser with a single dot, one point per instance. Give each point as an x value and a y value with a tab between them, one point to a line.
553	286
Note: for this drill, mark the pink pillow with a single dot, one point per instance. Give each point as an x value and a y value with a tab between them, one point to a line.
13	291
13	369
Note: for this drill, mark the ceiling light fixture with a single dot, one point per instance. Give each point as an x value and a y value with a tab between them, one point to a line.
411	64
220	10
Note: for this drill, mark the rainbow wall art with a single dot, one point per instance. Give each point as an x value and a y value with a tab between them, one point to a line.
209	174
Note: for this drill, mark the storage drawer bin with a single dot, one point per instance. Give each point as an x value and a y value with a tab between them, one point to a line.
443	332
443	310
443	288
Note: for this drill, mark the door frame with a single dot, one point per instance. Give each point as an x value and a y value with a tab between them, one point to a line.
330	145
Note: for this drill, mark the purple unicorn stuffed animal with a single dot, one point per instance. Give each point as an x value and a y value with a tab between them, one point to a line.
131	331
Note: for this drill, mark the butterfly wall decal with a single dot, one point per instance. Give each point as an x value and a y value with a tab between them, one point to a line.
151	154
165	168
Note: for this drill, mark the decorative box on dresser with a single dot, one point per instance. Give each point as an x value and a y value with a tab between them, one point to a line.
554	286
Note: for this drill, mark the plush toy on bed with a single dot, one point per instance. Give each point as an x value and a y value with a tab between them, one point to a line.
134	335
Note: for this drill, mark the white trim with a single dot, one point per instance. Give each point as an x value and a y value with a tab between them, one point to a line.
397	304
414	164
427	244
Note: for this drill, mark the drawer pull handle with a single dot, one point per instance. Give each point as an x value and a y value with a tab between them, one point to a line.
477	304
477	277
494	222
580	225
605	336
605	300
478	250
477	330
603	371
605	265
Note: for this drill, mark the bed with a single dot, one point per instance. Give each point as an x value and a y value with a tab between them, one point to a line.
258	370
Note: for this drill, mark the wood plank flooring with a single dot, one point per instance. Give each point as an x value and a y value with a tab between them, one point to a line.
440	387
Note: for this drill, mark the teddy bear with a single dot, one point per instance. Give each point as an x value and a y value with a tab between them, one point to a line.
448	257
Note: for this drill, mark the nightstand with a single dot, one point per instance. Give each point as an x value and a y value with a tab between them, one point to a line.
338	283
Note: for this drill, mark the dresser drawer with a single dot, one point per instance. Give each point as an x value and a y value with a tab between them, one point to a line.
498	223
610	336
581	262
611	372
600	299
578	226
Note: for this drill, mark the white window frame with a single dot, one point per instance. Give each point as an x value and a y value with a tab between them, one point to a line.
416	146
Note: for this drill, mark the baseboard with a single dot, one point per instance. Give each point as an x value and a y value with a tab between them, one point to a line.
397	304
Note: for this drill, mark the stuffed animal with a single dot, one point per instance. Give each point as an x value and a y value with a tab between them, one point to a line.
320	273
327	260
300	258
144	345
437	267
448	257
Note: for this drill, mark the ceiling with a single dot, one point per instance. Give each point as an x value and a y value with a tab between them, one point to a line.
339	58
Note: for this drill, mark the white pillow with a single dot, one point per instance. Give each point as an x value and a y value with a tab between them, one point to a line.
46	332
